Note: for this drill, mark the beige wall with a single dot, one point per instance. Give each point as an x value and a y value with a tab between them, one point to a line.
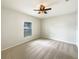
61	28
12	28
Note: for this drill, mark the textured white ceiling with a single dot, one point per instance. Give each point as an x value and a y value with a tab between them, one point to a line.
59	7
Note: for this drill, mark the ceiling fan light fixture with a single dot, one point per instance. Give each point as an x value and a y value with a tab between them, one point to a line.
42	8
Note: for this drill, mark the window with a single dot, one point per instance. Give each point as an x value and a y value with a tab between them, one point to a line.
27	29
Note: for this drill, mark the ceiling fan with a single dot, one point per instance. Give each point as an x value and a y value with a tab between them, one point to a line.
42	9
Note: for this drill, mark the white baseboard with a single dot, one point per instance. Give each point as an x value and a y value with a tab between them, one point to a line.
20	42
67	42
63	41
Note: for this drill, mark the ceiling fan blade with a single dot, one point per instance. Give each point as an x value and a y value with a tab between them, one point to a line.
48	9
45	12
